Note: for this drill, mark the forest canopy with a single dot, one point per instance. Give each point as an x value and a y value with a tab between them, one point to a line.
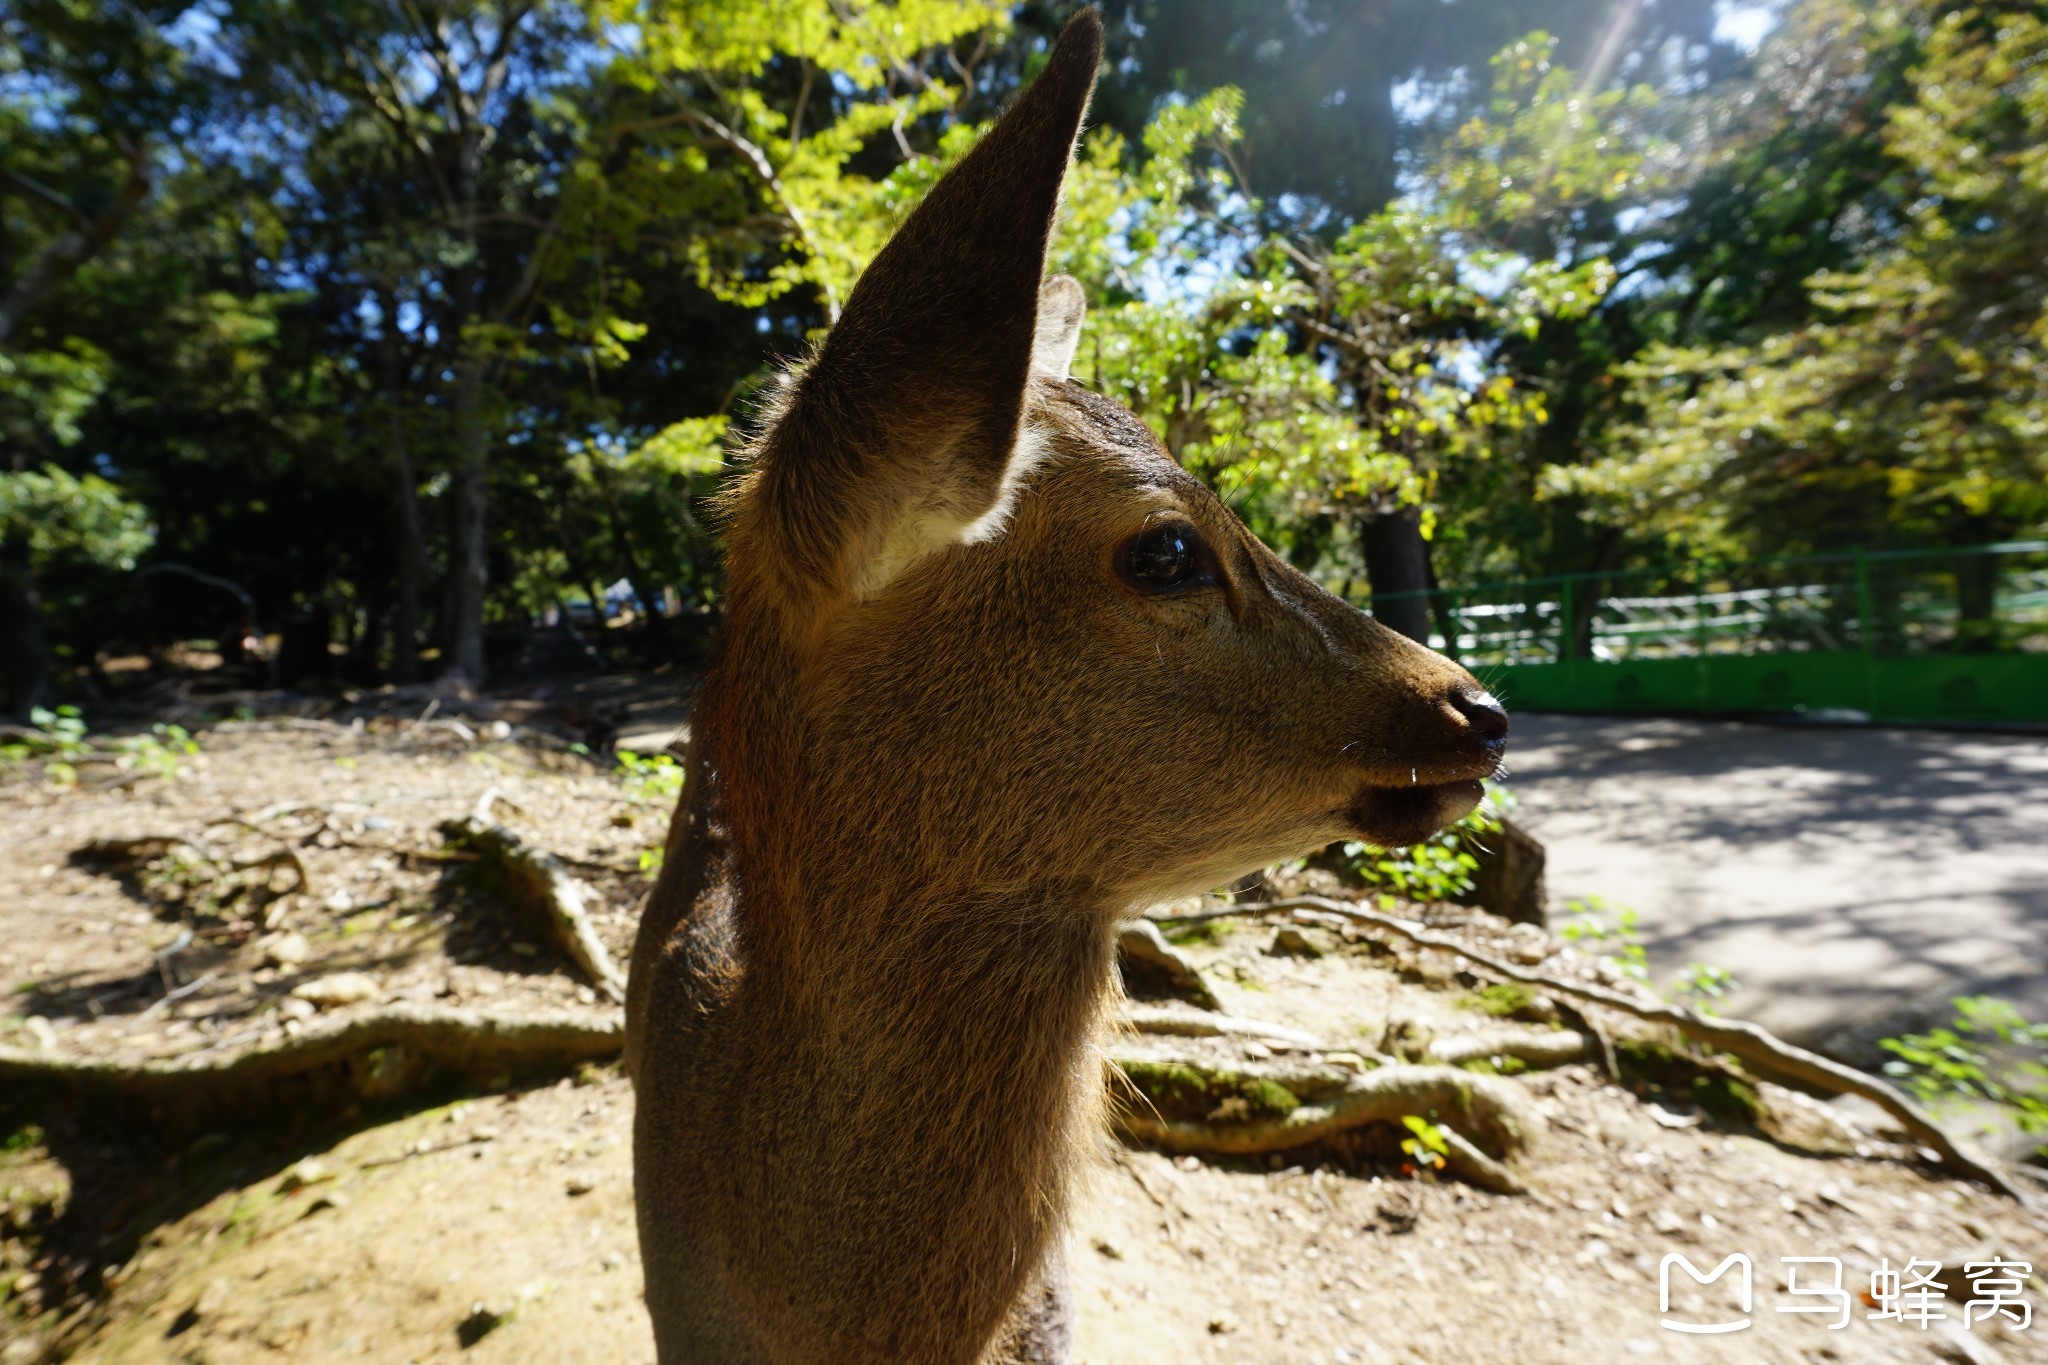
388	326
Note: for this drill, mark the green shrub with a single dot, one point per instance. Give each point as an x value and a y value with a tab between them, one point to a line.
1441	867
1990	1052
648	778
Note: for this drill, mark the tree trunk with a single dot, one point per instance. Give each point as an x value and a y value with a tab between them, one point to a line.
412	540
466	553
622	540
1976	603
24	653
1397	563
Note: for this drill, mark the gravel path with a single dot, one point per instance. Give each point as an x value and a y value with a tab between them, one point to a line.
1850	878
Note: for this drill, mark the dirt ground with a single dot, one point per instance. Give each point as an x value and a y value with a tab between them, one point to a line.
499	1227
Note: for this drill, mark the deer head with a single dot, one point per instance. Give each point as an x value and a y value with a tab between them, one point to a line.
1026	638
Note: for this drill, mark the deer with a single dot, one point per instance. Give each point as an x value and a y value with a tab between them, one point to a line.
995	674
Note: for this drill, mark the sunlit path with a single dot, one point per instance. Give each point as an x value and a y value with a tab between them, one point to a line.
1836	872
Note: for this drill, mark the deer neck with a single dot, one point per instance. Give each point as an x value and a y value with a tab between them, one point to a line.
923	1077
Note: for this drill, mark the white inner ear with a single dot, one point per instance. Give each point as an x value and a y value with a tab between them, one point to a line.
950	515
1061	306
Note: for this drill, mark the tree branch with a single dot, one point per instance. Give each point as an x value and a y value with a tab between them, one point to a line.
72	248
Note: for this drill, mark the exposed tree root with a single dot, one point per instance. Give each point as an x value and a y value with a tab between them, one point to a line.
1188	1023
1188	1107
537	886
1151	965
398	1051
1747	1041
1536	1047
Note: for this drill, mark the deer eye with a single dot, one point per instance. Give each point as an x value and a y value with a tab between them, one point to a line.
1167	557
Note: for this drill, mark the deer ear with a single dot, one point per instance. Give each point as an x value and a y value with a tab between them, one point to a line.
903	436
1061	306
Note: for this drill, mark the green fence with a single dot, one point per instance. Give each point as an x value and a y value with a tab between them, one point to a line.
1948	635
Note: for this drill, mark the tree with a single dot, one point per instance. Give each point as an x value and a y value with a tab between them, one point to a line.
464	98
52	522
1912	407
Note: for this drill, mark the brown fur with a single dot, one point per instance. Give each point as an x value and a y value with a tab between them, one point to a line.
927	777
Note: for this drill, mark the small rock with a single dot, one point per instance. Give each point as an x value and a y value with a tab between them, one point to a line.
1350	1061
287	950
1667	1222
1152	966
581	1184
1291	941
212	1298
498	729
42	1031
1673	1118
293	1008
1257	1051
342	988
482	1320
1108	1248
311	1171
1221	1323
1399	1210
27	1282
339	900
484	1135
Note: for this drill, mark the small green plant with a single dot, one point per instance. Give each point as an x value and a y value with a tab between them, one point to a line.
1611	932
1438	869
1204	933
60	741
1425	1145
1501	999
1990	1052
161	753
648	778
1704	987
1614	933
62	732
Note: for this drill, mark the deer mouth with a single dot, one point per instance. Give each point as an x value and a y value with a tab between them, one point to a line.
1393	817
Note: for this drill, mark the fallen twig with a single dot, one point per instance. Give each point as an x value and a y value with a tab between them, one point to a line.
169	998
1745	1040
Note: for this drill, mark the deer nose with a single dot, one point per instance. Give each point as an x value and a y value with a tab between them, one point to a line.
1487	717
